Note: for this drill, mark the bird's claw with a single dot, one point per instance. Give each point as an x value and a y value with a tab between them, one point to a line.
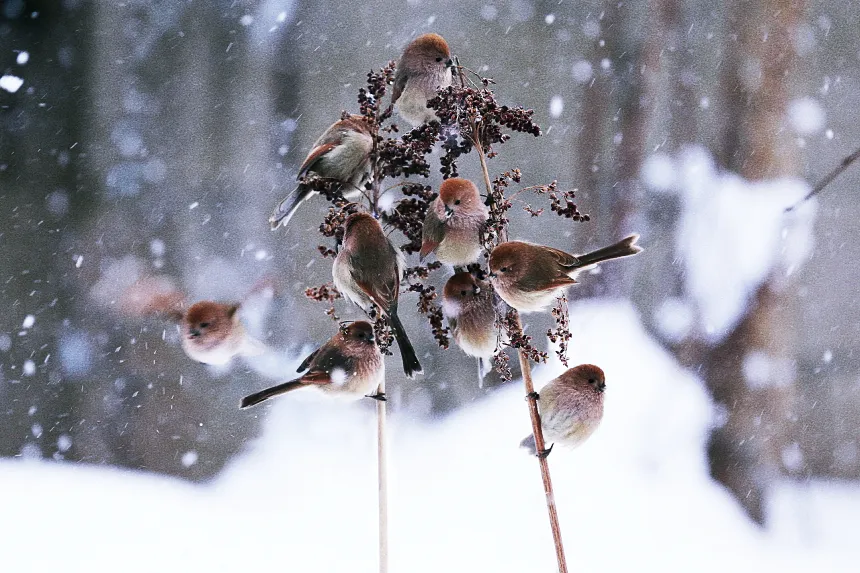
379	397
544	453
532	396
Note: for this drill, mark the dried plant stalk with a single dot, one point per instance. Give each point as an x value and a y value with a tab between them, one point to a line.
531	398
382	477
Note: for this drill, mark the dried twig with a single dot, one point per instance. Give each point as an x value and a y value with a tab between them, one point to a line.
819	187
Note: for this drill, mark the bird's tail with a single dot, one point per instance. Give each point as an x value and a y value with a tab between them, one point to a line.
411	366
624	248
529	444
263	395
485	366
288	206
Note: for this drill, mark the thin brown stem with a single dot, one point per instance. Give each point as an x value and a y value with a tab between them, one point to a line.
540	445
531	397
382	477
819	187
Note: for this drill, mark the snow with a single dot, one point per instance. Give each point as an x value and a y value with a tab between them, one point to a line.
10	83
29	321
556	106
22	58
582	71
635	497
733	234
806	115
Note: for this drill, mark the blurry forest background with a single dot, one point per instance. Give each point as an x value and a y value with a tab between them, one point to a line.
155	137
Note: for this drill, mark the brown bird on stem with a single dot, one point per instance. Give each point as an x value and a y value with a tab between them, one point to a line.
341	153
454	222
469	307
571	407
529	277
424	67
349	363
367	271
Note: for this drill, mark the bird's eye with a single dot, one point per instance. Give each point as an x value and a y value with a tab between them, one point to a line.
438	59
361	335
457	202
462	293
592	381
204	325
504	269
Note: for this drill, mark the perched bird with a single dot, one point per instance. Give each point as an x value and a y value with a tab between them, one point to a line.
454	222
211	331
469	307
528	277
341	153
367	271
571	407
349	363
424	67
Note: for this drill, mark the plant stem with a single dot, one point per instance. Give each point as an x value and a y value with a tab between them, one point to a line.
382	478
537	430
819	187
540	445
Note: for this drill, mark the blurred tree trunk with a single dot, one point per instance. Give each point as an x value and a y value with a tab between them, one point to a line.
44	200
746	453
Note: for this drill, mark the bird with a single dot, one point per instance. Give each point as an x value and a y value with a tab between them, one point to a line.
367	270
424	67
454	223
469	306
528	277
571	407
341	153
350	363
212	332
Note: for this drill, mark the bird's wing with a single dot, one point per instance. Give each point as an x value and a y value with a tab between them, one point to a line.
563	259
432	235
316	153
327	359
399	84
306	363
382	284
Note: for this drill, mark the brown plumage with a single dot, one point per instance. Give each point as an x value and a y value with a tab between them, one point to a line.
424	67
367	271
211	331
341	153
469	307
454	222
529	277
349	363
571	407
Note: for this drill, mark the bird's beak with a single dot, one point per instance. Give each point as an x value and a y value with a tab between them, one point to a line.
492	275
477	289
194	333
449	212
449	63
601	387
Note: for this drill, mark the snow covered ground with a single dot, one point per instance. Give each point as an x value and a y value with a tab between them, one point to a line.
636	497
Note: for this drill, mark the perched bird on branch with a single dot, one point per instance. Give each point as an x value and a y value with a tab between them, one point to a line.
349	363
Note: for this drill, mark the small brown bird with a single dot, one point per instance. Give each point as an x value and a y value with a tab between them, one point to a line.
213	334
211	331
571	407
341	153
454	222
469	307
529	277
349	363
367	271
424	67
